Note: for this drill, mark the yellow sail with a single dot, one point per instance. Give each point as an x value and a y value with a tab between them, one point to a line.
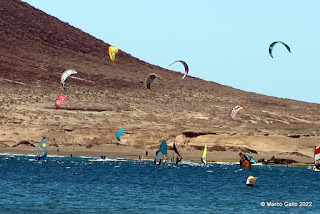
204	155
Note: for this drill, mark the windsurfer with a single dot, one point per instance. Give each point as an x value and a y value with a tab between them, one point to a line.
242	158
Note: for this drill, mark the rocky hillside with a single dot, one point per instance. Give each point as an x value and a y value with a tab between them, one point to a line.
35	48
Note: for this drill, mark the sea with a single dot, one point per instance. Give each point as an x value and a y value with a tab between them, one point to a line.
92	185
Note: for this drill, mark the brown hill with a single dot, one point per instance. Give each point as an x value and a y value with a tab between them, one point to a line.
35	48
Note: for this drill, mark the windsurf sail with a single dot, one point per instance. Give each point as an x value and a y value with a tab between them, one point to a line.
42	149
251	159
317	157
204	155
176	154
161	154
246	160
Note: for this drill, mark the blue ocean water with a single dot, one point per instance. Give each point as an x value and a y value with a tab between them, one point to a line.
76	185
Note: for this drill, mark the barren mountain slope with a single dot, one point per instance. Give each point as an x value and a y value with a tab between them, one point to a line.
35	48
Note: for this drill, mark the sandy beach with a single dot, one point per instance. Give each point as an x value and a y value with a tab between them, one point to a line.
118	151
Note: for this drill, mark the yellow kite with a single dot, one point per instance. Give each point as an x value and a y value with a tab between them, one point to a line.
113	51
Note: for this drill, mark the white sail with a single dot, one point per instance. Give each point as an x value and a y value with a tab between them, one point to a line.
317	155
316	159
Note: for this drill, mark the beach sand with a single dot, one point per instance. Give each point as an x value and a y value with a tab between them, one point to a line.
117	151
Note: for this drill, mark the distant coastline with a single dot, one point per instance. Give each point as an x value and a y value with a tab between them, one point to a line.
131	153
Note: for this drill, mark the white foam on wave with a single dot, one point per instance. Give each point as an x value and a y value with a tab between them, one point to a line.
108	159
226	163
190	163
14	155
86	157
56	156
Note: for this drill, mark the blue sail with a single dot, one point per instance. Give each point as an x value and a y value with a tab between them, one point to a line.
251	159
163	147
161	154
42	149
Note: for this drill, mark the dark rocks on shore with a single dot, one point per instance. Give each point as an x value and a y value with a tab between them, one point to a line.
24	142
274	160
242	149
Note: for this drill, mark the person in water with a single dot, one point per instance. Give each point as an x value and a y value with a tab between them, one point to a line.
38	158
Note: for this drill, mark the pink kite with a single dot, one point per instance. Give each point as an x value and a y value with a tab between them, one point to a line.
59	100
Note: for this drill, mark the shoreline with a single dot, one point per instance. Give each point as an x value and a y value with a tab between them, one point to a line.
133	154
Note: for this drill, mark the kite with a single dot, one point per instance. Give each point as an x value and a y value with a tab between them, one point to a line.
150	79
119	132
59	100
186	68
274	43
235	111
113	51
65	75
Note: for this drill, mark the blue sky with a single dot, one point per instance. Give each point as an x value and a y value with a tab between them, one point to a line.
222	41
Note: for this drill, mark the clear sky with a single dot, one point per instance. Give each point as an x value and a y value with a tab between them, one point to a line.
222	41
